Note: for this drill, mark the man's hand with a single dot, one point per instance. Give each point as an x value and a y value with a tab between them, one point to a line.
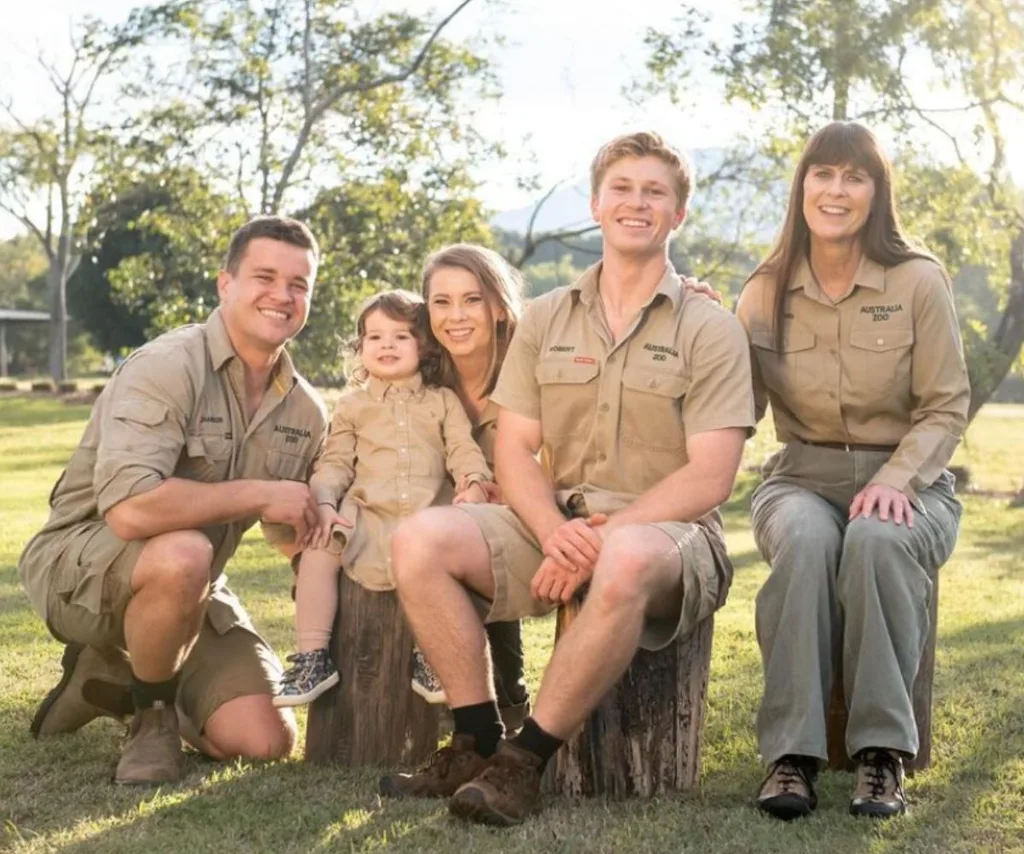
472	494
574	545
888	501
703	288
319	536
556	585
291	503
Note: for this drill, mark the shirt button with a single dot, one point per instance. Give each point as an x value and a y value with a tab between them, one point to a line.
603	407
401	422
405	495
880	341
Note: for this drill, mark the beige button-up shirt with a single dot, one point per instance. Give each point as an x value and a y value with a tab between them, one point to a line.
615	416
175	408
389	453
882	366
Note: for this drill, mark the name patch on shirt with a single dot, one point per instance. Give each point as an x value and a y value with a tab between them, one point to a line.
661	352
881	312
292	434
561	348
211	419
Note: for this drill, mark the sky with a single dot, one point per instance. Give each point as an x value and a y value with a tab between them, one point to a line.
563	66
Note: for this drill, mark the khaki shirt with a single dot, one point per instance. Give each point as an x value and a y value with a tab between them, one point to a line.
615	416
883	366
389	454
485	431
175	408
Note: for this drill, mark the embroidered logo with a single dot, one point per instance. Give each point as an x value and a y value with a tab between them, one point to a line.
211	419
584	360
561	348
292	434
661	352
881	312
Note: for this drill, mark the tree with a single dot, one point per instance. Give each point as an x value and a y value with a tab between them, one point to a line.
806	62
42	161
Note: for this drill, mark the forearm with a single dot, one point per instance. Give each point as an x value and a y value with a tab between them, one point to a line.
181	504
527	490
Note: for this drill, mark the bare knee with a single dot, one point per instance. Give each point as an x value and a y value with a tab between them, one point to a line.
623	575
427	543
252	728
178	562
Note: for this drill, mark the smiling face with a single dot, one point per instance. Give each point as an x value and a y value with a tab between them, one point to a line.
837	201
265	302
388	349
636	205
461	316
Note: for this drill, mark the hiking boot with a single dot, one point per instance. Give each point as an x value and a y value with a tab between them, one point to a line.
514	716
152	754
505	793
95	683
788	790
444	772
879	791
424	679
310	675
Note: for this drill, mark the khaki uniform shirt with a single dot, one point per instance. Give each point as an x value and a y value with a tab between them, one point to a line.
883	366
615	416
389	454
175	408
485	430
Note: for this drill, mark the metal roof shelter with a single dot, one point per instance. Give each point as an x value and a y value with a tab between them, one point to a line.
13	315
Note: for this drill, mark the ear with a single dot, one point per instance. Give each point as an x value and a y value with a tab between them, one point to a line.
679	218
593	208
223	280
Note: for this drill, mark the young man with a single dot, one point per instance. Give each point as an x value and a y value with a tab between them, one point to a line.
638	398
198	435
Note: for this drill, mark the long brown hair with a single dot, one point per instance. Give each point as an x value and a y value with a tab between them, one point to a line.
402	307
882	237
502	285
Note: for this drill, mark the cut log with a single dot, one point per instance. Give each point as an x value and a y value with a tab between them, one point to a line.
373	717
644	737
837	713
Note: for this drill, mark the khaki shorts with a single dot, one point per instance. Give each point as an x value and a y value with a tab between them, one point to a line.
90	590
516	557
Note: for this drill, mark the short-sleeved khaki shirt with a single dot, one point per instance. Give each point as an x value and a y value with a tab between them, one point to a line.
615	416
882	366
175	408
390	451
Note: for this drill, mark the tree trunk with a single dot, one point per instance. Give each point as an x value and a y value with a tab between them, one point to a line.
373	717
1005	342
56	284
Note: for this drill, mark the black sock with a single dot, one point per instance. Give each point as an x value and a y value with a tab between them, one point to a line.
531	737
481	721
147	694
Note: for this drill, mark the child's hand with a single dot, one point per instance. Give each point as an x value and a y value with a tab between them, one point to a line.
327	517
472	494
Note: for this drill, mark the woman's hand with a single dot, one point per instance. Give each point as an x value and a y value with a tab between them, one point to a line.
472	494
703	288
887	500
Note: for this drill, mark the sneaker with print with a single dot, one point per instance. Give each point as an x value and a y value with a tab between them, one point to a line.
424	679
310	675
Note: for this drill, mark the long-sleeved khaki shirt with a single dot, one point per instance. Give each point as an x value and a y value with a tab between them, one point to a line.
175	408
882	366
389	453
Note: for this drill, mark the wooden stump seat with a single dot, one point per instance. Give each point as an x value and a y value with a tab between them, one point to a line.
837	713
644	737
373	717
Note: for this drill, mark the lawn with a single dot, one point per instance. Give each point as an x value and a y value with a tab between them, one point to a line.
56	796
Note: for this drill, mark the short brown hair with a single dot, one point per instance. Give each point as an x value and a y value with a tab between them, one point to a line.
282	228
644	144
403	307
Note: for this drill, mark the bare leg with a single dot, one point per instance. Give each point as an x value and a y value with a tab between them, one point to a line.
250	727
631	580
435	556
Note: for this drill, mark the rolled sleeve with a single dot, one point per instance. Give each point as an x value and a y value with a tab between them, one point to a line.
142	433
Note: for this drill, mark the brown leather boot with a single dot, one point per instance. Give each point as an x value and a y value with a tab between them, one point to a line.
505	793
95	683
444	772
152	754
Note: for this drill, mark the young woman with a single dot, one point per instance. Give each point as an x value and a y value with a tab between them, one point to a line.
855	344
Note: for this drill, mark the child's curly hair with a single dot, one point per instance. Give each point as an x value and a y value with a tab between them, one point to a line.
404	307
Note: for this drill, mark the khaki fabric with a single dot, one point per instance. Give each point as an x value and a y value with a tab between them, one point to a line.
855	591
615	416
516	557
175	408
485	431
882	366
389	453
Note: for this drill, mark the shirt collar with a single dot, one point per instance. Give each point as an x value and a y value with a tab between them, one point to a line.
221	352
870	274
669	286
379	389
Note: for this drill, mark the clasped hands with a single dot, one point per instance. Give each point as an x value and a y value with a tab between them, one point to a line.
570	553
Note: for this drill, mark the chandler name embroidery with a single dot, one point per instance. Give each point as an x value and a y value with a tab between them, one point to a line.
881	312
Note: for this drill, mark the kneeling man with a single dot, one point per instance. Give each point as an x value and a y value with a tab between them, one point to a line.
637	396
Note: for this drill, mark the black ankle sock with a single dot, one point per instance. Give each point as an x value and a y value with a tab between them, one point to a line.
531	737
481	721
146	694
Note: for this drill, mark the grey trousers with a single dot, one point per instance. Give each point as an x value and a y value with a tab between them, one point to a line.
859	589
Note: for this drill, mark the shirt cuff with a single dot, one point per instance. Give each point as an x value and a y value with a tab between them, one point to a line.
893	477
126	483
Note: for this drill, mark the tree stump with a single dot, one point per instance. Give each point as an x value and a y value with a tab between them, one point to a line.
373	717
644	737
837	713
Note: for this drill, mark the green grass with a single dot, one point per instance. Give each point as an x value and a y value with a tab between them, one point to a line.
56	795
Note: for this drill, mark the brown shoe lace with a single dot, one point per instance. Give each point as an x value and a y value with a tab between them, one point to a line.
789	774
876	763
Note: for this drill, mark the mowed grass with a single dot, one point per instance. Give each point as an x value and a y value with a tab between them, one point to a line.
56	795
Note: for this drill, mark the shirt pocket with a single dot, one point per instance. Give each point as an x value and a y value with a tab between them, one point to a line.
881	363
568	398
652	409
284	465
209	456
791	367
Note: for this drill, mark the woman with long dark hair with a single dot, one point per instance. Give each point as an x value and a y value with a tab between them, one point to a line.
855	344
